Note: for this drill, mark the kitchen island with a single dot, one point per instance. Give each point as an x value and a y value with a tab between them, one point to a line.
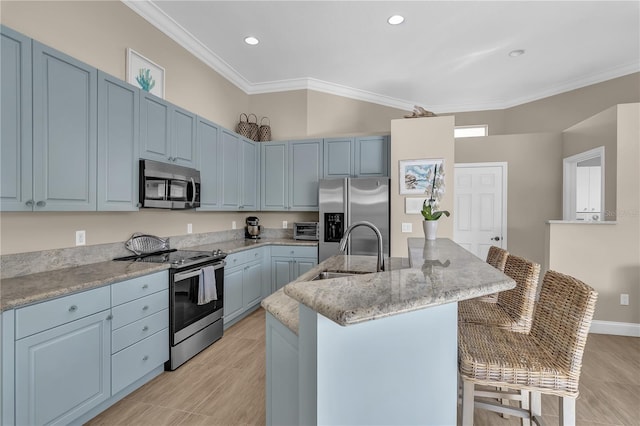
373	348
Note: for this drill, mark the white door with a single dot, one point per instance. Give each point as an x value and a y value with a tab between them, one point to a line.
480	218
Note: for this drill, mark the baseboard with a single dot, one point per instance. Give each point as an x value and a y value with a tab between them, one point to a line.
615	328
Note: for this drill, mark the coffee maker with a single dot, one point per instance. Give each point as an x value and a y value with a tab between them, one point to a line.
252	230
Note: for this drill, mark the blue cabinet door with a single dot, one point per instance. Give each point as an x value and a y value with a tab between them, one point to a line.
281	272
233	293
252	285
16	185
274	172
372	156
64	131
338	157
305	172
63	372
118	144
208	135
183	137
155	126
250	167
229	156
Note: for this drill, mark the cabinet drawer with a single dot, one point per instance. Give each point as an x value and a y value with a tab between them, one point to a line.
49	314
237	259
294	251
135	288
132	363
137	309
138	330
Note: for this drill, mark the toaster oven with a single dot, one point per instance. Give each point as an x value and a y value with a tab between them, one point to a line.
306	231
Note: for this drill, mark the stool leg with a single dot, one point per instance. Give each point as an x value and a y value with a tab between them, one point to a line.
524	404
504	402
467	402
536	404
567	411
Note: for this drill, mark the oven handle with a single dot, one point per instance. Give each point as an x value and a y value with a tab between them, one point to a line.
184	275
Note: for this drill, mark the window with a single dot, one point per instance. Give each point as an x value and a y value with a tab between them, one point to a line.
470	131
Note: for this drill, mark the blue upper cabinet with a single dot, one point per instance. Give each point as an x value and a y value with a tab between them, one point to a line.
64	131
155	128
230	177
338	157
16	184
208	143
372	156
167	132
363	156
274	176
250	167
183	137
305	172
118	140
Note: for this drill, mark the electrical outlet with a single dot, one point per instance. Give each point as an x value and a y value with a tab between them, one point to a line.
284	224
624	299
407	227
81	238
233	225
189	228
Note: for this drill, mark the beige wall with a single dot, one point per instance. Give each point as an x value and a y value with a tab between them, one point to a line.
607	257
599	130
413	139
558	112
534	183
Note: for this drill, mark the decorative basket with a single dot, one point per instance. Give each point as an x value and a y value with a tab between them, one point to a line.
253	128
244	127
264	131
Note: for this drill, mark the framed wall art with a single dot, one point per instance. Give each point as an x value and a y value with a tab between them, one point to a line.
417	176
145	74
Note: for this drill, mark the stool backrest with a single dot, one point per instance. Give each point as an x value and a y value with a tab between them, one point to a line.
519	301
497	257
562	319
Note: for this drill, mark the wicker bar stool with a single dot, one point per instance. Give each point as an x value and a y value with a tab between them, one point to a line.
514	308
496	257
547	360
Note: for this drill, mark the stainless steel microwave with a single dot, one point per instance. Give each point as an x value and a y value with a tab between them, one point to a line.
168	186
306	231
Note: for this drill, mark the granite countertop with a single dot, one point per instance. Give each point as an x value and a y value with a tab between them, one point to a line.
286	309
441	272
27	289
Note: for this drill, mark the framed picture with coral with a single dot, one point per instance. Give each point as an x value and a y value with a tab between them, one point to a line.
145	74
424	177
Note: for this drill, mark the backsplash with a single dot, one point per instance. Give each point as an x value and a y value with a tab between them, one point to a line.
15	265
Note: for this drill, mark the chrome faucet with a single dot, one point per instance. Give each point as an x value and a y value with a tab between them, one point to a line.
347	233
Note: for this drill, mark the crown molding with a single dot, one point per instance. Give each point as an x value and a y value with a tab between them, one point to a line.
156	17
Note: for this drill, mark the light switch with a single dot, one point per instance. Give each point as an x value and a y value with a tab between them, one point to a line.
407	227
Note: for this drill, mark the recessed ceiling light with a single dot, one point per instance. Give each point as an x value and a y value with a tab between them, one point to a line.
251	40
515	53
395	20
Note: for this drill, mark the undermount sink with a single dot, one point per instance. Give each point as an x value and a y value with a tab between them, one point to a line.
325	275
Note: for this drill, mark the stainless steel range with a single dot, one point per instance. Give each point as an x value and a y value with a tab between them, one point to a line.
194	323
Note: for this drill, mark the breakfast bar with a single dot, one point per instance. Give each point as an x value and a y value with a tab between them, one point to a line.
373	348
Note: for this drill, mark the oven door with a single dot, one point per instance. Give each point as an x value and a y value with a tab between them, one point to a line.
187	316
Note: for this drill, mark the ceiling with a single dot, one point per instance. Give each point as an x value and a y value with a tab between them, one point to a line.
448	56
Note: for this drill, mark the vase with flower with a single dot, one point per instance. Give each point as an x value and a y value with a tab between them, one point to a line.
429	206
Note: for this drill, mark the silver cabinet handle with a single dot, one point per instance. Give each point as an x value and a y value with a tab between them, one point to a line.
496	238
109	317
146	286
146	357
145	328
73	308
145	307
29	203
41	203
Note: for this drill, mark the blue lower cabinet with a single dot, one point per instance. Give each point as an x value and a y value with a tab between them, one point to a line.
63	372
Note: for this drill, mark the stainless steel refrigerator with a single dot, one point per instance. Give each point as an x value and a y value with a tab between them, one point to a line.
346	201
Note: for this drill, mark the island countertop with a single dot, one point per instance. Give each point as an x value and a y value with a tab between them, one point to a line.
441	272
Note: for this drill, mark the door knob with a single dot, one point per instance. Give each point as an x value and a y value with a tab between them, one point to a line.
496	238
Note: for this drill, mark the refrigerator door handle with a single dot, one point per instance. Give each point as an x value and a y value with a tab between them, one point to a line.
347	211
